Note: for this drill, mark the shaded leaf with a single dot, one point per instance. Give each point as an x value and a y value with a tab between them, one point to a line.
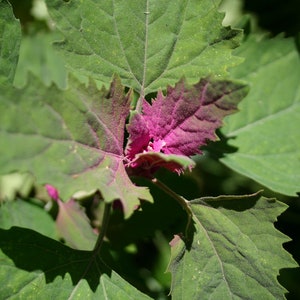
24	214
71	139
180	122
266	130
236	252
47	269
10	37
145	164
150	44
74	227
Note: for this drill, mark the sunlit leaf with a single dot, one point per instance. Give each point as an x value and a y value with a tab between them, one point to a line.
149	43
235	253
266	130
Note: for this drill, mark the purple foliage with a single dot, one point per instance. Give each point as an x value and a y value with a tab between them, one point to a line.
179	123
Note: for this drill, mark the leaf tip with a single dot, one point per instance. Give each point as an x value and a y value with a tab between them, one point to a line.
52	192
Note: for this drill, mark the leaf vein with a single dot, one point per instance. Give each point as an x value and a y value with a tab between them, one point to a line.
167	62
216	253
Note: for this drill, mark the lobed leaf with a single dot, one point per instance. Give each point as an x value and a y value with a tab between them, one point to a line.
266	130
149	43
180	122
38	57
70	139
236	252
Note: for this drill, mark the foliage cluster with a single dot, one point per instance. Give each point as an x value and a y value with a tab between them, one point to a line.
135	139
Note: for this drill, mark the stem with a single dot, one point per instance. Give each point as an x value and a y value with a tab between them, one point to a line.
139	104
180	200
105	221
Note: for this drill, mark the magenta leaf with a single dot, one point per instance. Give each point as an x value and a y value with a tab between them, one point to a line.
180	122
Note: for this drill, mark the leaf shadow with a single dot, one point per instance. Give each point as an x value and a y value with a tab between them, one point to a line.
31	251
188	238
218	149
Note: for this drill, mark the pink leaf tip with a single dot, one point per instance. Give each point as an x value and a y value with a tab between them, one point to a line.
52	192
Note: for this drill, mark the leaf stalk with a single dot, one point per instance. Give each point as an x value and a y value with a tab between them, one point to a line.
105	221
179	199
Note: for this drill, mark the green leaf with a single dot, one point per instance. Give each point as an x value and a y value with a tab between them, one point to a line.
10	37
38	57
266	130
236	252
70	139
32	264
149	44
24	214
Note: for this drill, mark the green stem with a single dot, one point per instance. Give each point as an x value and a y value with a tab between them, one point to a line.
180	200
105	221
139	104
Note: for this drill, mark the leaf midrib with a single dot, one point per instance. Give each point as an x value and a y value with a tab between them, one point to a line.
142	92
216	253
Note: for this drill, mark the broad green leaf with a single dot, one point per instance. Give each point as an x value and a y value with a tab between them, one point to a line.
24	214
236	253
10	37
33	265
148	43
70	139
266	130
